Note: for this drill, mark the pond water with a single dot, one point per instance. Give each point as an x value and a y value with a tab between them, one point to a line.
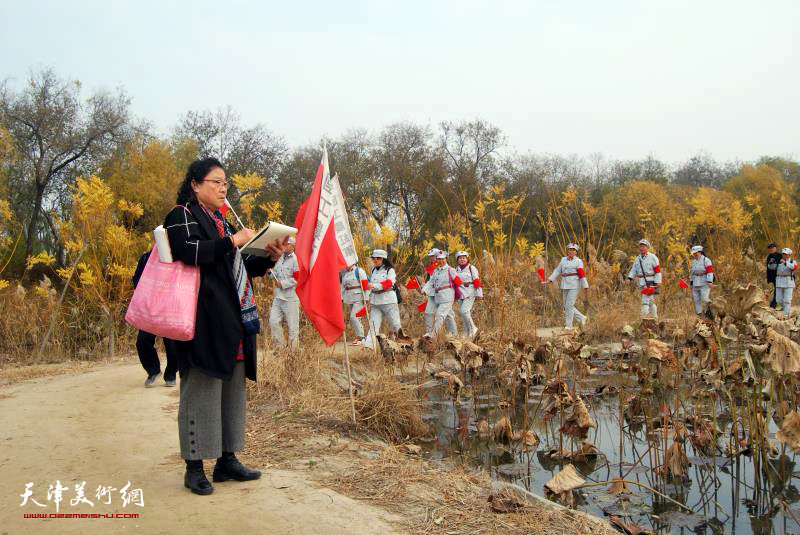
723	494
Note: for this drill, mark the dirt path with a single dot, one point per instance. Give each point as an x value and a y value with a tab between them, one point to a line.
103	427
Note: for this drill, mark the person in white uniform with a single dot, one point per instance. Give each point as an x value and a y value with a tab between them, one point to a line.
573	277
471	289
383	298
355	285
430	307
702	279
285	305
443	283
646	271
784	281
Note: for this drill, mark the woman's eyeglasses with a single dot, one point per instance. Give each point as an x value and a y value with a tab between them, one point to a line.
219	184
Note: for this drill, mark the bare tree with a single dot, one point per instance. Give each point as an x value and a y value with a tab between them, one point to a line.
470	149
57	136
243	150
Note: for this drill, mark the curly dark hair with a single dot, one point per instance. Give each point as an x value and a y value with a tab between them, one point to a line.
197	172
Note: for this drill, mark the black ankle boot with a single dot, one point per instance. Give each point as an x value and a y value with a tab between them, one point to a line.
229	467
195	479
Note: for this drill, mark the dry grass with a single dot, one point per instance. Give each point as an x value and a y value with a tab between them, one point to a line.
313	383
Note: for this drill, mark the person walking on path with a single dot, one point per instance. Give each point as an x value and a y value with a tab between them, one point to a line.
646	271
286	304
702	279
383	298
784	281
773	259
146	344
573	278
355	285
472	288
445	284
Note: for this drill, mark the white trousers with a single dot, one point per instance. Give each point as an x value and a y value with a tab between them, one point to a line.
355	321
783	296
430	313
570	312
649	305
288	311
389	311
702	297
466	316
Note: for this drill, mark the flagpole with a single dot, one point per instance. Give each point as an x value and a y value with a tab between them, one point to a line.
349	377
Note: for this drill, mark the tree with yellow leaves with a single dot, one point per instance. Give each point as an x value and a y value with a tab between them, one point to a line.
103	249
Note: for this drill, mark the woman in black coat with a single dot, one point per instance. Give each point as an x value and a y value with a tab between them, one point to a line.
213	366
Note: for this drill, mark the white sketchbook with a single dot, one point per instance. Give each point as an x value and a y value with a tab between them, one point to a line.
271	232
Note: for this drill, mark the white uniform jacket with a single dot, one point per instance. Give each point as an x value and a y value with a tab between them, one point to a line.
702	272
784	278
352	291
651	266
441	283
572	274
284	271
381	282
470	281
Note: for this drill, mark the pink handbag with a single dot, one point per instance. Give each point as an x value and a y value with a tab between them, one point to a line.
164	302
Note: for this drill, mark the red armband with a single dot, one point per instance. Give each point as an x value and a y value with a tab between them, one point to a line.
581	273
364	284
430	269
362	313
386	284
657	269
477	283
709	269
457	281
422	306
412	284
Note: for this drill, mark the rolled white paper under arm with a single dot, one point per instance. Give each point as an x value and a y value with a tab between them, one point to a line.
162	243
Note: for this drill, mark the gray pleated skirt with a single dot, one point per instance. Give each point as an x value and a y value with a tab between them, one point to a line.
211	415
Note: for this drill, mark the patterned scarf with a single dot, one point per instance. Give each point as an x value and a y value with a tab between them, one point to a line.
247	301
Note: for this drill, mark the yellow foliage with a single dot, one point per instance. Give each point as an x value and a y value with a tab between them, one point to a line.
45	259
273	210
249	183
3	284
146	176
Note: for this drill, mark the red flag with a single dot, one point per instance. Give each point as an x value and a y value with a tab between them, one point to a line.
365	285
540	271
422	306
324	248
412	284
682	284
430	269
362	313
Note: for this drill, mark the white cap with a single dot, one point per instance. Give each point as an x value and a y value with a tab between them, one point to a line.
644	242
461	253
786	250
379	253
292	240
573	246
441	255
697	249
434	252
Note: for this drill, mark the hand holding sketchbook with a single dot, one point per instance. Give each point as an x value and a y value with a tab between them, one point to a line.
267	235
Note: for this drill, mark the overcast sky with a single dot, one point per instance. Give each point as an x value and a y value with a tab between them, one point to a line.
626	78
